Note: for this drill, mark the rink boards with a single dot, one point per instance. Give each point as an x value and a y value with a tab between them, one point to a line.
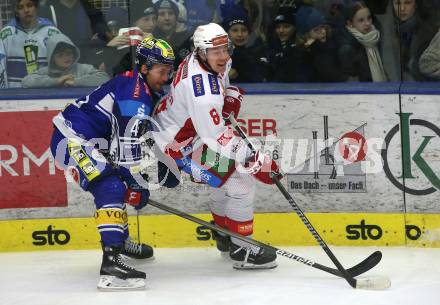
397	172
279	229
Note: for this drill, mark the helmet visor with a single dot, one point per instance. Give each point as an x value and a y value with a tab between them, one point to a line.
225	50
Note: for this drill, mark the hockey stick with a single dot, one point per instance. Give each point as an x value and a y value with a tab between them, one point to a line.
368	283
137	223
360	268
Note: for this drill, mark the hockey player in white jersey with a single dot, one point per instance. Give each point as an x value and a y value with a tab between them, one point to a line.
190	129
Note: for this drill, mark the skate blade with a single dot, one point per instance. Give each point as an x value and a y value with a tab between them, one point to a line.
225	255
113	283
250	266
139	260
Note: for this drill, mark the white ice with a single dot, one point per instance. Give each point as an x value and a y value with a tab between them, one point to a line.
200	276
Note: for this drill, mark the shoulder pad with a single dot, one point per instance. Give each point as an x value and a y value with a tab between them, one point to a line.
52	31
7	31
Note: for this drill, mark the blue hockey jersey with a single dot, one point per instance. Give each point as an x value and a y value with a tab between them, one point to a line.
111	117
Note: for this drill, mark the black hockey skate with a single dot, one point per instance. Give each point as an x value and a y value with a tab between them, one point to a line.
115	274
133	249
222	241
252	257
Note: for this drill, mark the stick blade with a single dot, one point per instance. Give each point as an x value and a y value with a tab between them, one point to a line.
366	264
373	283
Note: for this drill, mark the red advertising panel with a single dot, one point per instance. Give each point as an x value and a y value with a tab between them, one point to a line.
28	176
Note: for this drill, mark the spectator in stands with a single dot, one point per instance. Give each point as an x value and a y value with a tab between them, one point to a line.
249	62
63	69
167	12
182	18
359	46
287	60
320	40
228	7
116	17
143	15
412	37
429	62
116	56
82	23
268	13
261	13
333	11
253	9
201	12
22	43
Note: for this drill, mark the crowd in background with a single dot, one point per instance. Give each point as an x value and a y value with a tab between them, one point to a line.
64	43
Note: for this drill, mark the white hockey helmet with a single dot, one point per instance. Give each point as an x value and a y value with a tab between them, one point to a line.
210	36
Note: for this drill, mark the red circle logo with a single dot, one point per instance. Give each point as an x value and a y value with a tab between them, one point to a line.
74	173
353	147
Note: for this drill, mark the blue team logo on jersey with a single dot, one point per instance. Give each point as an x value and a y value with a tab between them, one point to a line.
213	83
198	87
132	108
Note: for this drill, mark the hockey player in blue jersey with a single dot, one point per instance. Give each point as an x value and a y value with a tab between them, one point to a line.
97	141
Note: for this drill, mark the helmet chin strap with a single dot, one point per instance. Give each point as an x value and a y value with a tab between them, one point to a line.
144	76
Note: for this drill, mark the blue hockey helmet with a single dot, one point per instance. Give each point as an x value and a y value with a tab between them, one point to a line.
154	51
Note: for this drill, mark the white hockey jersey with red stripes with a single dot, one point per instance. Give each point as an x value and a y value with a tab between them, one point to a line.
191	114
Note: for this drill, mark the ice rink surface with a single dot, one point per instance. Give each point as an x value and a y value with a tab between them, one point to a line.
200	276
